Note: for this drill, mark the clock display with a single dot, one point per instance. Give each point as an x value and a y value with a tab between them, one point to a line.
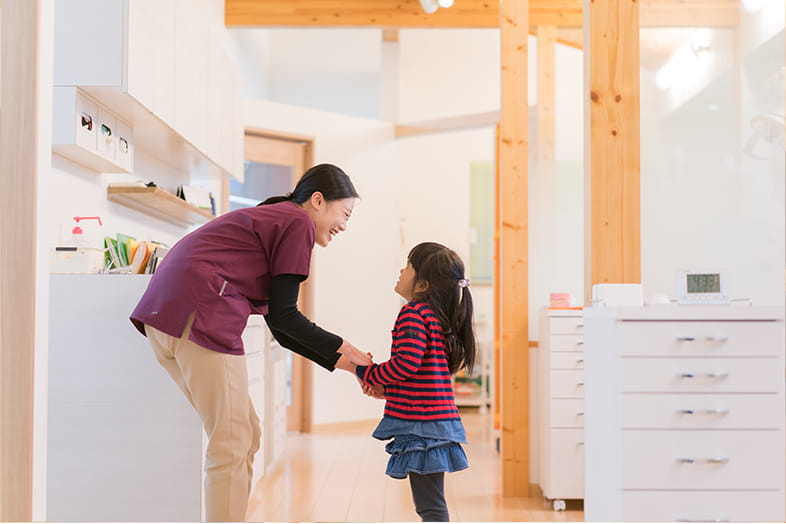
704	283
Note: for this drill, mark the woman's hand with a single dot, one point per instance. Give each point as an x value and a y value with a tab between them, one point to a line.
354	355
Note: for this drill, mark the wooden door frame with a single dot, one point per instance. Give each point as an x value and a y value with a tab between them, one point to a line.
302	370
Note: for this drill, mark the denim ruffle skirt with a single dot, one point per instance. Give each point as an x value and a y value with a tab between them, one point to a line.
422	447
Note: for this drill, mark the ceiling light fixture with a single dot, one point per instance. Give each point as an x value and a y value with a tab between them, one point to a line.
431	6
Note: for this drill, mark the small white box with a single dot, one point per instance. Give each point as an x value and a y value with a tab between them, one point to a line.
76	260
617	295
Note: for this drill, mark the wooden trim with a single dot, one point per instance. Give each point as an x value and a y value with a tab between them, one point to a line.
514	25
307	409
612	172
390	34
497	285
18	222
453	123
532	343
278	135
465	13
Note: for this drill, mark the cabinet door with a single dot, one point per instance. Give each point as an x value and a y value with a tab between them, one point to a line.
216	99
192	49
150	75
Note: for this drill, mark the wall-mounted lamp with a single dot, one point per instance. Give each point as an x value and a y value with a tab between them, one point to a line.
431	6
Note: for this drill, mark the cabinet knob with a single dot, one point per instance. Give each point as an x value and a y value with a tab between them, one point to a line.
710	460
718	411
710	374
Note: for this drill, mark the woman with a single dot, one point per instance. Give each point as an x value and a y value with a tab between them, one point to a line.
248	261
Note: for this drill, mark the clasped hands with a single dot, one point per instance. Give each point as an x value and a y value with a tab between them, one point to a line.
350	358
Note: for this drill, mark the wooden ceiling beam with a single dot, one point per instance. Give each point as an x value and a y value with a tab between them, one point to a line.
464	13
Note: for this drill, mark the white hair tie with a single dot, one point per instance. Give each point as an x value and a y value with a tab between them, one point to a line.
464	282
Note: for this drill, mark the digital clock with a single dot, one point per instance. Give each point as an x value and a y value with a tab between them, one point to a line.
703	287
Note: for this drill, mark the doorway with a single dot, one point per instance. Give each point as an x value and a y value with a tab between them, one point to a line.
273	163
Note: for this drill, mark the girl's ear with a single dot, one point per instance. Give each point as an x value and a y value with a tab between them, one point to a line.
421	286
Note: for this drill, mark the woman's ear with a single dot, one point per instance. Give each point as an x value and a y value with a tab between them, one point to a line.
317	199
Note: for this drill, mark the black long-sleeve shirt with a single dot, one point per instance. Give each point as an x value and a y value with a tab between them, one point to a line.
293	330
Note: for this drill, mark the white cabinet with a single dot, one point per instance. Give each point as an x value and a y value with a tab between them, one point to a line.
123	443
561	405
150	62
685	414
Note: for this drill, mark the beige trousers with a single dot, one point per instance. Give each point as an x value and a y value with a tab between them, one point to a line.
216	384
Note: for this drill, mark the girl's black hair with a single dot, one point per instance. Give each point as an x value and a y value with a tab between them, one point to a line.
328	179
449	297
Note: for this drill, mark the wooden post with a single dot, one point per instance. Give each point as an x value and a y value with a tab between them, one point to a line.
18	208
514	26
612	163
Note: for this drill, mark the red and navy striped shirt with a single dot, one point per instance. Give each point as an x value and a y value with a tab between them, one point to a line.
417	377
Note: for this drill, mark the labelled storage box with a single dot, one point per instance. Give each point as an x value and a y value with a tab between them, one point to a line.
87	133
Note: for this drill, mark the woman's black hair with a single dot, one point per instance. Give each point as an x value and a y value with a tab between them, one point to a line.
328	179
448	295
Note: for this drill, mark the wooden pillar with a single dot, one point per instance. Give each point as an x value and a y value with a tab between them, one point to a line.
18	208
612	250
514	27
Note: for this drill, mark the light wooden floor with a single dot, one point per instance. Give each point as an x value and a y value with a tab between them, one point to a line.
337	474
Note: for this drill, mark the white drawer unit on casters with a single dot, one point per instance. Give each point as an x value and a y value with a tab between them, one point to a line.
561	405
685	414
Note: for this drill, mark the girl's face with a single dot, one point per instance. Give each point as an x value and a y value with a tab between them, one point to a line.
330	217
407	286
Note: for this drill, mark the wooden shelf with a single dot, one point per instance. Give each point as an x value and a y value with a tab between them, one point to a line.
156	202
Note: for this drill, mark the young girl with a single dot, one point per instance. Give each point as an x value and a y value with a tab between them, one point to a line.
432	339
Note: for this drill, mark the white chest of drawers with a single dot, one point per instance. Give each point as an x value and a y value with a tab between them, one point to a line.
685	414
561	405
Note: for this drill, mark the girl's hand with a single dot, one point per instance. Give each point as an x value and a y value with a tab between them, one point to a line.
373	391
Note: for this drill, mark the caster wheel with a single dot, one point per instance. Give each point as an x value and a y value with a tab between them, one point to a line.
559	505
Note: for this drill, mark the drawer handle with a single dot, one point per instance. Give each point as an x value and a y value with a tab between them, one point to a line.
710	460
579	361
579	413
686	339
718	411
580	384
579	325
702	520
579	342
580	443
711	374
717	339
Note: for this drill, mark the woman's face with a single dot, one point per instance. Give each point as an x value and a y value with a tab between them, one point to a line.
330	217
405	286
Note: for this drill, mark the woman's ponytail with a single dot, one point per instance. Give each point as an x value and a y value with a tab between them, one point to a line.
327	179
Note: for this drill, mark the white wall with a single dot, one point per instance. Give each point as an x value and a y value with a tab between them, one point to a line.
335	70
706	204
354	277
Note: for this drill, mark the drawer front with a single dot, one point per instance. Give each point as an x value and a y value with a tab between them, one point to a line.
568	360
697	411
701	339
566	342
661	459
567	413
700	375
566	383
702	506
566	461
566	325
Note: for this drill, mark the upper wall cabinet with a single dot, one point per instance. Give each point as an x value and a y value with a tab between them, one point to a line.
151	62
